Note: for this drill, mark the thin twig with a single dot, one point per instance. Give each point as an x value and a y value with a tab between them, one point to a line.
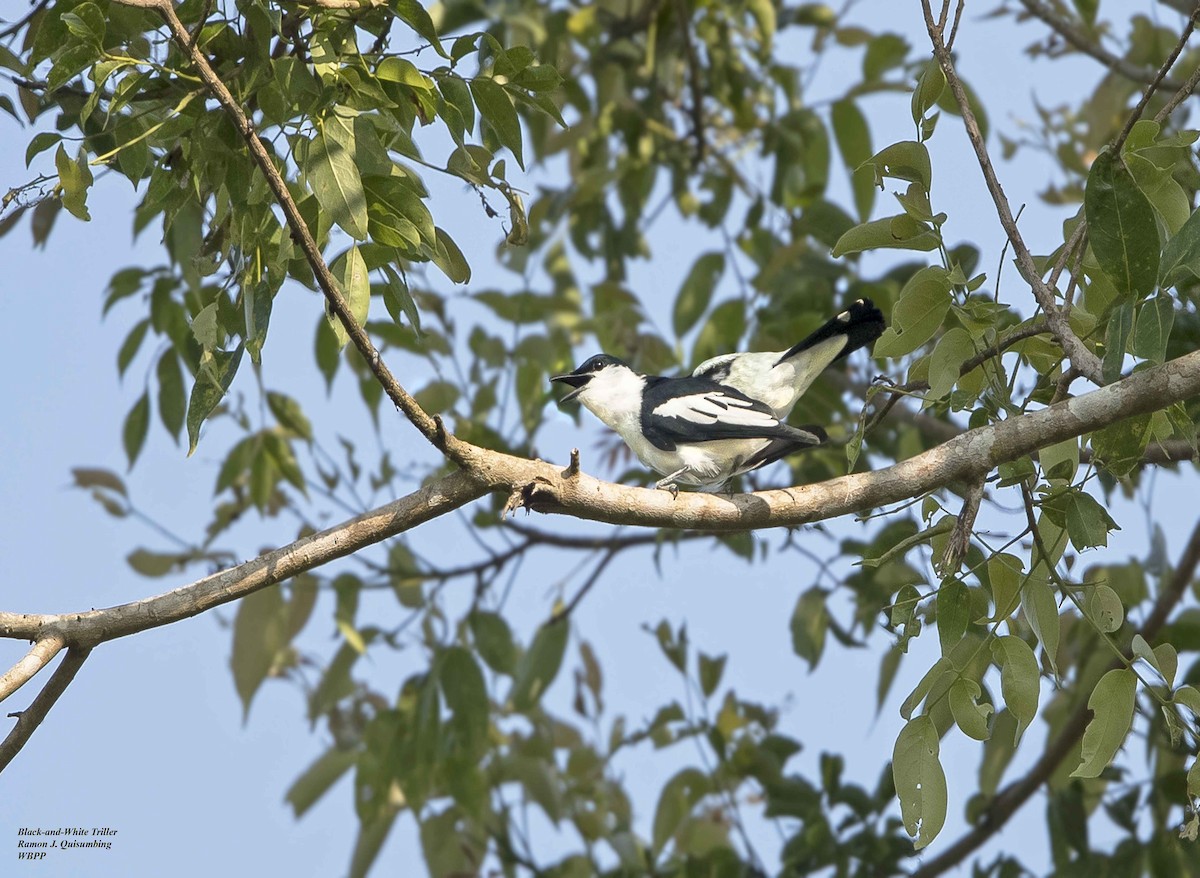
1079	355
1080	41
1154	83
20	23
694	70
31	717
566	611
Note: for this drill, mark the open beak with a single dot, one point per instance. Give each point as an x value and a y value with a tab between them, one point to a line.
577	381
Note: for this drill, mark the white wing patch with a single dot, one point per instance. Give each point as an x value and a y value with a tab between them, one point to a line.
714	407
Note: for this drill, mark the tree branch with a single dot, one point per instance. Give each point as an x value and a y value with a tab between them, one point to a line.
1082	358
1080	41
31	717
96	626
42	653
1010	799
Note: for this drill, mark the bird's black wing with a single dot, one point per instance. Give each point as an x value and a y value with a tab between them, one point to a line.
688	410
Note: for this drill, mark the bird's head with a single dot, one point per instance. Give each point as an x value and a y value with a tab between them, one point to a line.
595	373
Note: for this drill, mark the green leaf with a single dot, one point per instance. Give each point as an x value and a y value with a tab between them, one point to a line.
953	612
1181	257
414	15
494	641
332	172
953	349
212	381
1119	447
711	670
1020	680
1037	600
940	668
920	781
1153	330
810	622
137	424
1004	574
906	160
1116	340
1105	609
75	178
1163	658
152	564
172	398
1121	227
1111	703
449	258
316	780
697	290
538	667
41	142
259	632
853	137
350	270
497	109
289	414
397	300
1060	460
466	696
131	345
899	232
918	314
968	713
930	85
99	478
1088	523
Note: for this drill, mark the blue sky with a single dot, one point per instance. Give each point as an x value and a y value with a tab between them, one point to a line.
150	741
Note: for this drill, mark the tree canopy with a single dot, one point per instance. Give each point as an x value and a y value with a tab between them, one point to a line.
1006	424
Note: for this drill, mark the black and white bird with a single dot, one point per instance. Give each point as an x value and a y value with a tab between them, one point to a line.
780	378
691	430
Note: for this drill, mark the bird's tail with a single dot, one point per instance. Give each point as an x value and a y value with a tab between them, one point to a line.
860	325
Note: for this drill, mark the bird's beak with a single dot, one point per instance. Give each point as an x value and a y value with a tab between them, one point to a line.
577	381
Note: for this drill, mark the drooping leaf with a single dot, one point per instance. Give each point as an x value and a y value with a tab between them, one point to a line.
259	632
1121	227
538	667
350	270
696	292
137	424
333	174
1111	703
496	108
810	622
1020	679
920	781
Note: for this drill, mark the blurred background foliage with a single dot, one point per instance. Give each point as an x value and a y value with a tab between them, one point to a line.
579	127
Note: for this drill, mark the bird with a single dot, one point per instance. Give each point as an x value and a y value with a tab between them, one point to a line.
780	378
690	430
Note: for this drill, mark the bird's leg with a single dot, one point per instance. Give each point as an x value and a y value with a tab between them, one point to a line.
667	483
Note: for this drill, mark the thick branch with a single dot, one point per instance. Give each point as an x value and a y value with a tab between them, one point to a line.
1010	799
428	426
1083	359
40	655
96	626
544	487
967	457
31	717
